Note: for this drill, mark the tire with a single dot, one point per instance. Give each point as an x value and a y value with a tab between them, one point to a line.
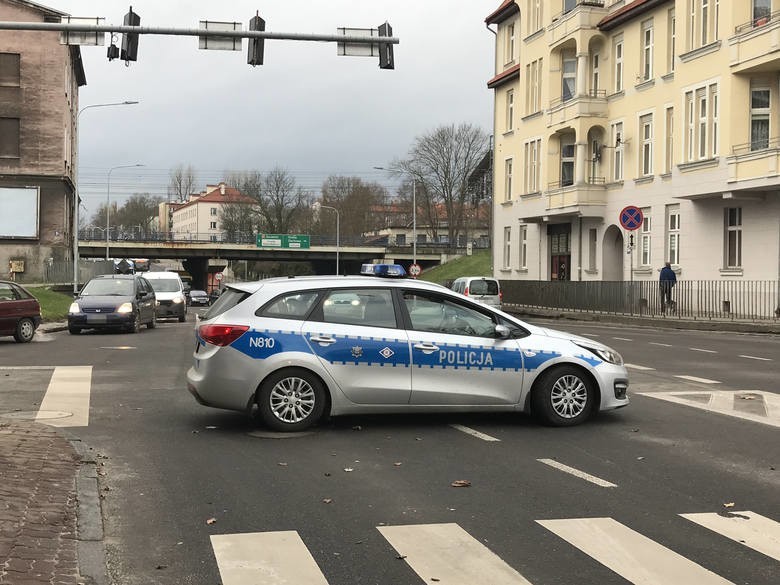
564	396
274	400
183	317
74	330
153	323
25	330
136	326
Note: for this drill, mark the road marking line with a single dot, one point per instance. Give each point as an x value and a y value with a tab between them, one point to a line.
68	391
590	335
271	558
636	367
701	380
447	553
722	402
622	339
752	357
748	528
702	350
27	367
577	473
661	344
631	555
473	433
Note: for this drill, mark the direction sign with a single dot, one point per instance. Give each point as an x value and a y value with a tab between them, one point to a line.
415	270
631	218
291	241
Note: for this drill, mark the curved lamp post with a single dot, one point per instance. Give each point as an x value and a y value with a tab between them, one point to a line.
108	202
414	215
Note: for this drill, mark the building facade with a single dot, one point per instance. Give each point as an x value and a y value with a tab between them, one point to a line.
672	106
201	218
39	82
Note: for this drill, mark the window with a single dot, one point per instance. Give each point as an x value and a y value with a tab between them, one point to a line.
595	81
213	225
673	234
762	12
508	179
617	140
669	142
10	71
646	132
714	118
647	50
619	65
510	43
533	72
9	138
701	107
510	110
523	247
701	121
507	248
703	22
672	40
535	21
569	5
592	248
213	211
646	237
705	6
432	313
567	161
531	162
369	307
759	118
289	306
733	237
569	84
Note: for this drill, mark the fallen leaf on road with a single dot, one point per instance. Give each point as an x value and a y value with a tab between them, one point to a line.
400	557
282	464
348	469
639	458
211	521
160	567
461	483
211	427
729	505
397	464
357	428
327	500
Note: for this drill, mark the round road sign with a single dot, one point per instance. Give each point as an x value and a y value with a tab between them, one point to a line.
218	276
415	270
631	218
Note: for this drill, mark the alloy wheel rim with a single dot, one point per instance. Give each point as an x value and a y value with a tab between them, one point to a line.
569	396
292	400
26	330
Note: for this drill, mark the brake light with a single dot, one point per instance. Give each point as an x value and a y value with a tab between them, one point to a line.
500	296
466	292
221	335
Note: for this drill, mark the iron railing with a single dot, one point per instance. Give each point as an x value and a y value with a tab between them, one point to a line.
757	22
756	146
691	299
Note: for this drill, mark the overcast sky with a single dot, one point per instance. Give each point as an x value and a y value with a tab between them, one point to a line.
306	109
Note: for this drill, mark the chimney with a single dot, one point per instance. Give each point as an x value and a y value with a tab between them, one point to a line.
222	188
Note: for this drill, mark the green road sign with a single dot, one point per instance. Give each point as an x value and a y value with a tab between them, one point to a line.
286	241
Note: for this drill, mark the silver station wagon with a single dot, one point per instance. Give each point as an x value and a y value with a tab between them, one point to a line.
298	349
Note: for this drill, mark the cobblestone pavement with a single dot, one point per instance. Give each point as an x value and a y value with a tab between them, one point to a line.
38	506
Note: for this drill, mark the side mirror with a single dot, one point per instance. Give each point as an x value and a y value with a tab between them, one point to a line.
502	331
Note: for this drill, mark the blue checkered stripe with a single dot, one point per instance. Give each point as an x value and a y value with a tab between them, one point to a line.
365	351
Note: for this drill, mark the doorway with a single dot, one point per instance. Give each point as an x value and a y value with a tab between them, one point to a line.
612	256
559	236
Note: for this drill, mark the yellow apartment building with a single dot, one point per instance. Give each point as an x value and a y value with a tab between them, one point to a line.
672	106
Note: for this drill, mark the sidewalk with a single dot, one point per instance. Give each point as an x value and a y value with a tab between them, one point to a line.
50	527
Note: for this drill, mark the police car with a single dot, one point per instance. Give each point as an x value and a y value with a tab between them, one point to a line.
301	348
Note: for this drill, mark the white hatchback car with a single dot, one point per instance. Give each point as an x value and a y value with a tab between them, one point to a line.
301	348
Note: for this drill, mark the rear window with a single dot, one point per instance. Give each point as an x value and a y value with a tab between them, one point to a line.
483	287
229	298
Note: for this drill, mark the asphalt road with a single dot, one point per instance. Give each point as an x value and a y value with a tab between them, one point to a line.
369	500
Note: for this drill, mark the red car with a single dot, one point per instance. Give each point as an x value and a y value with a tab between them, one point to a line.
20	313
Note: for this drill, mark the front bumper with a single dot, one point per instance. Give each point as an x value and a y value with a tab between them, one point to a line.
101	320
170	309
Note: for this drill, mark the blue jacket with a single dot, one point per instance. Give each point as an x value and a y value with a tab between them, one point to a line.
668	277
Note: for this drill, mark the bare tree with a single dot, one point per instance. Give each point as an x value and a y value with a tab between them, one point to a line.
182	183
356	202
138	210
282	202
440	162
240	215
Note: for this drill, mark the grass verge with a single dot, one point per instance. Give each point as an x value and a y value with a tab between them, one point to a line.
478	264
54	305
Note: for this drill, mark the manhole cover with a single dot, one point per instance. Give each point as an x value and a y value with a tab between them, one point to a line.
37	414
273	435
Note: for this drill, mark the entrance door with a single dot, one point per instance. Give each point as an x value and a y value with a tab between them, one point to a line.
559	267
560	251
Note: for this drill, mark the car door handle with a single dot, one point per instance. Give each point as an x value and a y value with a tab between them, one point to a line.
323	340
426	347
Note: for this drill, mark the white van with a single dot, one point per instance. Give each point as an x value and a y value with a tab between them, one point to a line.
171	301
479	288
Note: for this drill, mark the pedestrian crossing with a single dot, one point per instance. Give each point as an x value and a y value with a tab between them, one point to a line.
753	405
448	554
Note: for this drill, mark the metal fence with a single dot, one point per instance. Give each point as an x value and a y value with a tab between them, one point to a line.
691	299
62	272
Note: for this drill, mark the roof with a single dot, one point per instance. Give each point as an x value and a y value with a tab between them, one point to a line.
628	12
231	195
39	7
504	76
508	8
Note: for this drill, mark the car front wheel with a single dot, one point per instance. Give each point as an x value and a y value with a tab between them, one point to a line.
25	330
564	396
291	400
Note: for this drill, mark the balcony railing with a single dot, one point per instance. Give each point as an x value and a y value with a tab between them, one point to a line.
756	146
757	22
578	3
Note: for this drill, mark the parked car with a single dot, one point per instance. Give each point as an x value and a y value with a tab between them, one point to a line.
479	288
171	300
199	297
298	349
20	312
114	301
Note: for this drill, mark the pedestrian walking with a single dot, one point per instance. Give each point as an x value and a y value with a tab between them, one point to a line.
666	283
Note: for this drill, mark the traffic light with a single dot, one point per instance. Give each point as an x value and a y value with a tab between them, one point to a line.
130	40
386	49
256	45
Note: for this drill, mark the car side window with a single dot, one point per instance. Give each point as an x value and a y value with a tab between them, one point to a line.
438	314
372	307
290	306
6	292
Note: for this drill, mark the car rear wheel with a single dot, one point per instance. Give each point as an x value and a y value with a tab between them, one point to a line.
291	400
153	323
135	327
183	317
25	330
564	396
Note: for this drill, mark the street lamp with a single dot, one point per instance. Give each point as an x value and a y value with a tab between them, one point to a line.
108	202
319	205
414	215
77	194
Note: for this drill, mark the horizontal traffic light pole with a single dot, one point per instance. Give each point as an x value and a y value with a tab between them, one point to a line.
195	32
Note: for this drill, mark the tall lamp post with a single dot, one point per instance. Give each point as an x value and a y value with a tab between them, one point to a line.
321	206
108	202
77	194
414	215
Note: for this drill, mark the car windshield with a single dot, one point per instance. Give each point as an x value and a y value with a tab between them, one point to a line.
165	284
108	287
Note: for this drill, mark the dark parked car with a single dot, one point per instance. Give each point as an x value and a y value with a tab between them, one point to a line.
199	297
20	313
123	301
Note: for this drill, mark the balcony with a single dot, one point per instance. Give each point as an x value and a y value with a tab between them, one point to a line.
584	14
755	161
590	105
755	46
587	199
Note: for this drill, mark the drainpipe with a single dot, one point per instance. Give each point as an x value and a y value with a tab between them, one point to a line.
487	26
579	253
